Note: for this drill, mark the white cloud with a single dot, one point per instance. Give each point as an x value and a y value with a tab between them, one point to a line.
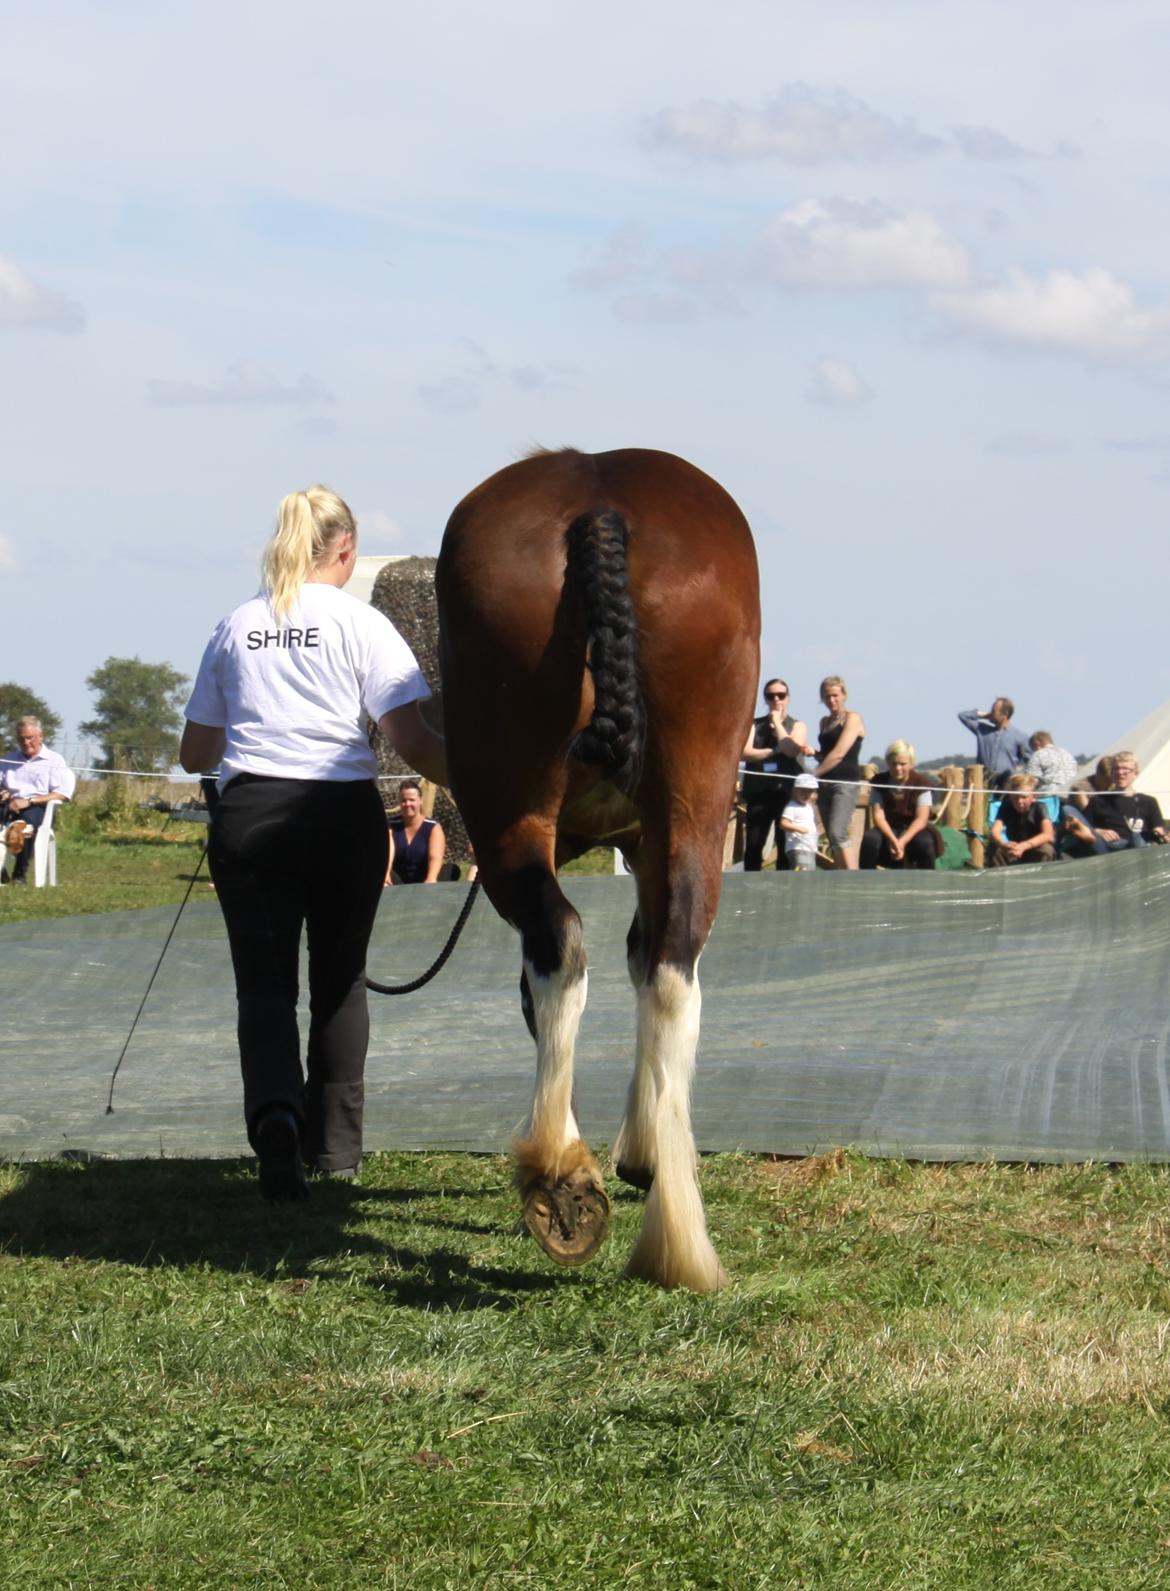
837	386
244	383
379	527
849	243
317	425
451	395
1028	444
460	393
7	554
800	126
28	304
622	258
1153	442
1092	315
661	309
984	143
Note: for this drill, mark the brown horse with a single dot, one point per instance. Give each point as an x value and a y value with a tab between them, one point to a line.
599	626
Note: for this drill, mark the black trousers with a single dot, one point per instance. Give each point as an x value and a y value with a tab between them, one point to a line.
920	854
287	854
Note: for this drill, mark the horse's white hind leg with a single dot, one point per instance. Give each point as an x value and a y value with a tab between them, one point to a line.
633	1148
673	1248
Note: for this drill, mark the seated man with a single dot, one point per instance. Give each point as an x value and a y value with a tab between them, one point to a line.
1121	819
1022	831
900	801
30	780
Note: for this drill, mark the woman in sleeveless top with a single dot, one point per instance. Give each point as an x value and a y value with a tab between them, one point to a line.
417	844
841	731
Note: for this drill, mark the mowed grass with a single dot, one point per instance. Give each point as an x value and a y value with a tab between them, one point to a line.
919	1377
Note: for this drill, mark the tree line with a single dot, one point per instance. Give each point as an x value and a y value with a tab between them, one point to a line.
137	720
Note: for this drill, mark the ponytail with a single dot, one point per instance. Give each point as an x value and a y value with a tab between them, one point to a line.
307	525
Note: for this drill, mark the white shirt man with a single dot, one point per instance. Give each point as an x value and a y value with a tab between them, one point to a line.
30	782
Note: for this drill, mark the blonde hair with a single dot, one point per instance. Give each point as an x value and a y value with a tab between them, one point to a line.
1123	756
832	679
307	525
900	749
1021	781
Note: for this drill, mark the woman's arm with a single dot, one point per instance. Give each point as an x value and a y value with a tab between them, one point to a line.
436	851
796	743
851	732
201	747
416	742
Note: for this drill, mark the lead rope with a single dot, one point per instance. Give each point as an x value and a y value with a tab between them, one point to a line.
150	985
441	960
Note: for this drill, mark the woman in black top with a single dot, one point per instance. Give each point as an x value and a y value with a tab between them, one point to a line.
772	756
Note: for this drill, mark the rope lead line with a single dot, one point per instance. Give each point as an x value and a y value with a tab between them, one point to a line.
150	985
441	960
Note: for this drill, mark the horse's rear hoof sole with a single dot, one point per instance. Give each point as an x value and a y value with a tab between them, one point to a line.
569	1220
636	1176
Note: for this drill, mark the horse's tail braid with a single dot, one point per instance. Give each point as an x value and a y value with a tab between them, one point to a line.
614	738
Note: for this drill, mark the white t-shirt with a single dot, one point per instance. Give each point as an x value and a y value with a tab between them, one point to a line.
291	695
804	844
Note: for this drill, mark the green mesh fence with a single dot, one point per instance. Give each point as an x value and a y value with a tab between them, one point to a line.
1017	1015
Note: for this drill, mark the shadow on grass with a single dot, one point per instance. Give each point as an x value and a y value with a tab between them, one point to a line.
207	1212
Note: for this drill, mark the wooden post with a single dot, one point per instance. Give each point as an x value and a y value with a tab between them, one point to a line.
950	812
977	819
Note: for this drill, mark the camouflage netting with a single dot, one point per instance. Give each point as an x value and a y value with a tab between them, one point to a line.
405	592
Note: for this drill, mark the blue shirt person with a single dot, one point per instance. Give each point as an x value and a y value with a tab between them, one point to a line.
1000	746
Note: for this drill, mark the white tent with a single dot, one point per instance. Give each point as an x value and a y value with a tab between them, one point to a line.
1150	743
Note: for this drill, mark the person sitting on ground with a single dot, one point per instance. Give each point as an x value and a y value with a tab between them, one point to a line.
772	756
902	834
417	844
1001	747
1122	818
1077	838
799	825
31	779
1022	831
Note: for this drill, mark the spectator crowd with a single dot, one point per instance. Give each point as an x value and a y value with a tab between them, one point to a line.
1039	811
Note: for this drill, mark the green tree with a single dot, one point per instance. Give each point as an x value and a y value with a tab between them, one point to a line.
139	715
17	702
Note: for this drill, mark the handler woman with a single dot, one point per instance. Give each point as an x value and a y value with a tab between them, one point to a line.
298	837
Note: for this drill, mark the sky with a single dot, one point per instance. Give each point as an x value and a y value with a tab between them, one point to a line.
897	275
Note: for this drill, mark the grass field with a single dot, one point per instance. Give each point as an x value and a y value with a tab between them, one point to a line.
920	1377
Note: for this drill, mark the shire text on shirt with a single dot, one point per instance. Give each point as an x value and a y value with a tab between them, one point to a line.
283	638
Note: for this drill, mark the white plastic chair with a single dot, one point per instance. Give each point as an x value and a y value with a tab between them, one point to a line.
44	857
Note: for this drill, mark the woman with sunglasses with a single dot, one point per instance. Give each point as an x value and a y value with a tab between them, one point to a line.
772	760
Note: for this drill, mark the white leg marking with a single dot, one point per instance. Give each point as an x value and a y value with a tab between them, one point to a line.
557	1004
673	1248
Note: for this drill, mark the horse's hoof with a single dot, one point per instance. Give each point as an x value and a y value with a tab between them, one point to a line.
637	1176
569	1219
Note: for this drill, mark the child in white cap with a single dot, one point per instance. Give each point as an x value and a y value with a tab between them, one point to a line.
799	825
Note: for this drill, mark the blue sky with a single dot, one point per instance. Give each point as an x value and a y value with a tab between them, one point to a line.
897	276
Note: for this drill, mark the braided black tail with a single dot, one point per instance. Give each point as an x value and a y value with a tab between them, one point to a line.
614	738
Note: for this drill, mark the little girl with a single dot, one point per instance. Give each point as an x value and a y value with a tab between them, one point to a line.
800	825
